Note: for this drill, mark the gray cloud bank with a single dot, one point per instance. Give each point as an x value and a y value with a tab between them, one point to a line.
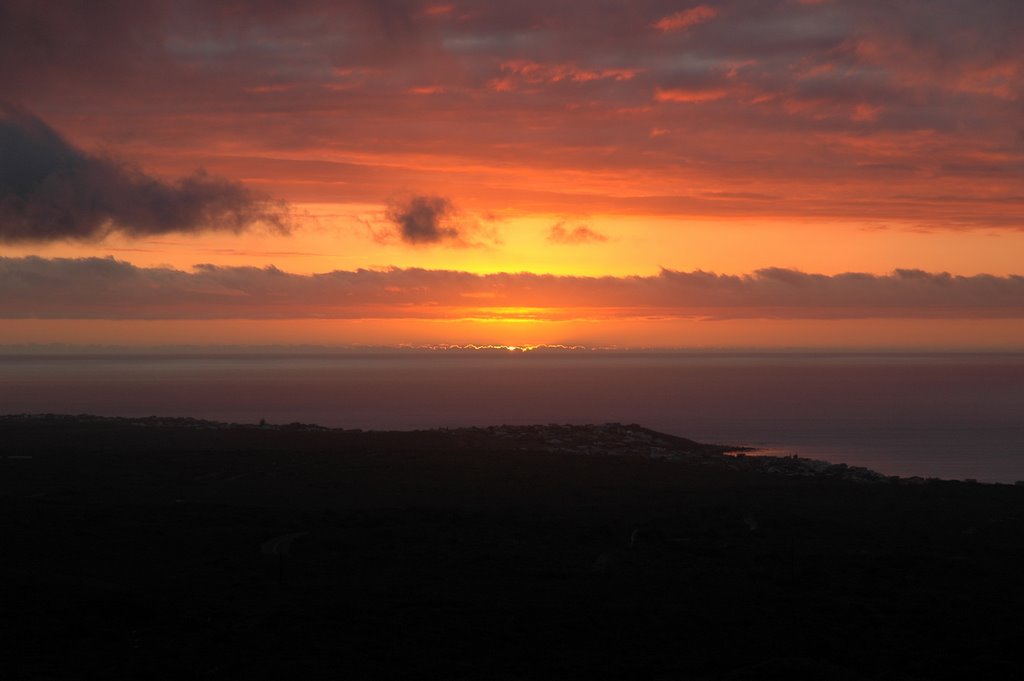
51	190
105	288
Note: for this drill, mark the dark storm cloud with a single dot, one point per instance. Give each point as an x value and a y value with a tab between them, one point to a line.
51	190
104	288
423	219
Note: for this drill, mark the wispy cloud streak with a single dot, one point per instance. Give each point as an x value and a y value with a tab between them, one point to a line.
580	234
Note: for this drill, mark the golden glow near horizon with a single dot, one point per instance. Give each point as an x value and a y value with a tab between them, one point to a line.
633	245
859	334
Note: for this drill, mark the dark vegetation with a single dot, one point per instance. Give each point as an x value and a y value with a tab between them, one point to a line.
147	549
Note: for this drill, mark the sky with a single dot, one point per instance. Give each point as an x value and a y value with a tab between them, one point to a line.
735	173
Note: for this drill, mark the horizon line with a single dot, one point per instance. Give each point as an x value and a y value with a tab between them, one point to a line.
58	348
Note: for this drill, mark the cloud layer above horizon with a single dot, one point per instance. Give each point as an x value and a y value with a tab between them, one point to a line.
105	288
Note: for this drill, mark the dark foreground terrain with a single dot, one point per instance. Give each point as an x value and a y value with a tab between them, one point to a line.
173	548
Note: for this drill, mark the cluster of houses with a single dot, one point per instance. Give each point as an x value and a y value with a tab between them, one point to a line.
616	439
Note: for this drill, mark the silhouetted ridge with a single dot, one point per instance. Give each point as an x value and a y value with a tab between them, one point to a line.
608	439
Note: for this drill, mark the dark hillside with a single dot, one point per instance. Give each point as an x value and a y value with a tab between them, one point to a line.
172	548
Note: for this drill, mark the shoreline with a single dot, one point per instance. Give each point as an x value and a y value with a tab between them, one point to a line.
948	418
608	439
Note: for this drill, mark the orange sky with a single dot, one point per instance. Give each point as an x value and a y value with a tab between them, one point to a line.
763	142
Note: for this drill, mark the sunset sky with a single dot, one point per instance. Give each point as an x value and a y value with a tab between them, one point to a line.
736	173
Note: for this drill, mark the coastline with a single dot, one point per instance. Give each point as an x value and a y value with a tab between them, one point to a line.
948	417
607	439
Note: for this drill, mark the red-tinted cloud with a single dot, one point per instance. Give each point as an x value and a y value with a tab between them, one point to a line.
852	109
686	18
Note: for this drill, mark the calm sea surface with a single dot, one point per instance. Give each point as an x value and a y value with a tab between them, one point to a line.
950	416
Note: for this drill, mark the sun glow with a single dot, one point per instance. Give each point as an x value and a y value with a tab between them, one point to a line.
501	348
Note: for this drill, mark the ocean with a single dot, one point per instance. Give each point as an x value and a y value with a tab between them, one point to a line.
956	416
